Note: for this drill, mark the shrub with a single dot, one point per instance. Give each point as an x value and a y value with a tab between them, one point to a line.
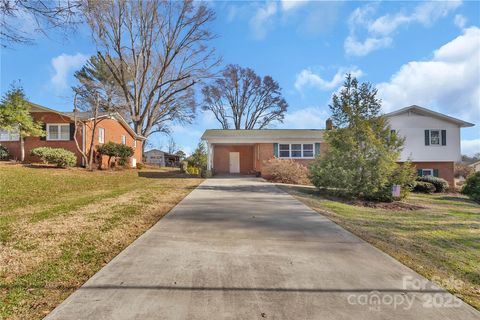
441	185
183	166
193	170
123	153
425	187
463	170
140	166
285	171
472	187
4	154
206	173
57	156
117	150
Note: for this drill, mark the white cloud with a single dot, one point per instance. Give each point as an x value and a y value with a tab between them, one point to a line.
470	147
309	79
357	48
381	29
261	21
306	118
63	65
449	82
460	21
288	5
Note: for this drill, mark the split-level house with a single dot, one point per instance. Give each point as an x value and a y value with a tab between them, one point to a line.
432	144
60	130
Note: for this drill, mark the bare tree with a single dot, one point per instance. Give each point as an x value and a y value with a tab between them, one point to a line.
156	52
240	99
39	15
172	146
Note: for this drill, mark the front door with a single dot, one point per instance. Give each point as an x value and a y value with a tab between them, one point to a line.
234	162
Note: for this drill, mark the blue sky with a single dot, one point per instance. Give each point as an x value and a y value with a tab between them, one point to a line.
425	53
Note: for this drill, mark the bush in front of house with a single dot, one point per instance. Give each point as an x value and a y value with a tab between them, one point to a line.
4	154
424	187
204	173
57	156
285	171
123	153
117	150
441	185
472	187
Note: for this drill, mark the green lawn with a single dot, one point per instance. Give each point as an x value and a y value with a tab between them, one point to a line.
59	226
440	241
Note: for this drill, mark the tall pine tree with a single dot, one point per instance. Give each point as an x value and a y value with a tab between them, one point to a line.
363	151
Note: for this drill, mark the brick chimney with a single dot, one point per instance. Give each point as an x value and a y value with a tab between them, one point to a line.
329	124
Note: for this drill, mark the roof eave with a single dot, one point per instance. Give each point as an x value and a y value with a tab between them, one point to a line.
459	122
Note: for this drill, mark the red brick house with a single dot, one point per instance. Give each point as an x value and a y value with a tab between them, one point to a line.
60	129
245	151
432	144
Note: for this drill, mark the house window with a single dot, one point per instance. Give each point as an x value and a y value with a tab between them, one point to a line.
308	150
9	135
284	151
296	150
435	137
427	172
124	139
58	131
134	143
101	135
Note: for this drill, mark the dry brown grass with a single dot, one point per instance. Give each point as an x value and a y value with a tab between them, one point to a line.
49	248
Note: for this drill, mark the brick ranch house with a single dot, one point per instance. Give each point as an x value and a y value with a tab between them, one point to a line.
432	143
60	129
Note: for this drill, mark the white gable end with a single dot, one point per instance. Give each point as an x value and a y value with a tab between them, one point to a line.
412	125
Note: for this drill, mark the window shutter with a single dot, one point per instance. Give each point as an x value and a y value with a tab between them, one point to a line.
275	150
419	172
435	172
317	149
427	137
444	137
44	128
72	131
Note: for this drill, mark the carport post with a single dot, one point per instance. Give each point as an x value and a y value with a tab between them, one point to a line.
209	156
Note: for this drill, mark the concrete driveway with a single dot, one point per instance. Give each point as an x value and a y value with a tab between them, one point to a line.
240	248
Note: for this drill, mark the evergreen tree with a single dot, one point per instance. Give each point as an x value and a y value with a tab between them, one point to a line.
363	151
15	116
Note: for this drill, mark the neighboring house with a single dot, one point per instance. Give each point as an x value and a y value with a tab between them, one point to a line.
160	158
432	140
245	151
432	143
60	129
475	166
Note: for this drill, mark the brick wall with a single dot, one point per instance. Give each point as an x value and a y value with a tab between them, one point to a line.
35	142
221	158
113	132
264	152
446	170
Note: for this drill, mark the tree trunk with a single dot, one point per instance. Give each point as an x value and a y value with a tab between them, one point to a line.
22	148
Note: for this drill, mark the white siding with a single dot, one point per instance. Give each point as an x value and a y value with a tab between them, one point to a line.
412	126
